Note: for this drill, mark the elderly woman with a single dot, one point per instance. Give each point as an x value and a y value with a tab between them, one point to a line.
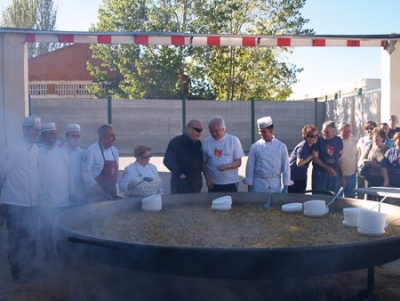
301	157
141	177
373	156
390	166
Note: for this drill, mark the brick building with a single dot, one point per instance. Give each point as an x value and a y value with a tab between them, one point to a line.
63	73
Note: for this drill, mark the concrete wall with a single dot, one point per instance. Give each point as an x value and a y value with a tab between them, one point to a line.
156	122
356	110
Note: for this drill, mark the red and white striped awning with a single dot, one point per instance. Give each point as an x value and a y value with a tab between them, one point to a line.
187	39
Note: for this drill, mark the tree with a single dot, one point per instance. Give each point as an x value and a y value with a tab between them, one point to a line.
224	73
32	14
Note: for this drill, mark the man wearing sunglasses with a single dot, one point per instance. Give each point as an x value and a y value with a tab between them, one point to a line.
184	159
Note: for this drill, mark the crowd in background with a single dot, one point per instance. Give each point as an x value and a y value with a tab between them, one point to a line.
41	175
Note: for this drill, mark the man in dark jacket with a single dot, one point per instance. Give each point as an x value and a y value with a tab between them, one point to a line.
184	159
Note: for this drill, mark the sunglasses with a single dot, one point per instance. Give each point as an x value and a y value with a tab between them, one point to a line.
312	136
198	130
370	129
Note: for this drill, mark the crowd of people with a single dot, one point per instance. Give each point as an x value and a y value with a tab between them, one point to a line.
41	175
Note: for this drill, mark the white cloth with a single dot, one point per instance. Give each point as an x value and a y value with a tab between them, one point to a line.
76	156
93	163
19	174
363	142
221	152
349	156
136	172
53	166
268	166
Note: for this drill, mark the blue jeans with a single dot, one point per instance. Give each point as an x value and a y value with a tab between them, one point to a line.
322	181
349	186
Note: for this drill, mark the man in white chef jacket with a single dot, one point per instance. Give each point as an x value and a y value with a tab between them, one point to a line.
100	166
20	186
53	166
76	155
267	168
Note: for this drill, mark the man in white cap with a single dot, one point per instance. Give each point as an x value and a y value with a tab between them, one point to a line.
76	155
100	166
20	186
268	162
53	164
222	157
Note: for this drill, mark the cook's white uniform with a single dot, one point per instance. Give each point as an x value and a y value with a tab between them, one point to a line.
93	163
76	157
54	176
19	174
268	166
136	172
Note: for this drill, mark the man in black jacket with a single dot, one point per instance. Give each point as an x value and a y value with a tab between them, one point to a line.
184	159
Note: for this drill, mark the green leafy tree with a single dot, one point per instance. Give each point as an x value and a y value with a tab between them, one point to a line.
223	73
32	14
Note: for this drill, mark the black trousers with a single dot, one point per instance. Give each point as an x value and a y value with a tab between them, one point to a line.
22	226
190	184
299	186
224	188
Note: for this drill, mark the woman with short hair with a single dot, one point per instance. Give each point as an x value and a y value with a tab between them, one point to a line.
141	177
373	156
301	157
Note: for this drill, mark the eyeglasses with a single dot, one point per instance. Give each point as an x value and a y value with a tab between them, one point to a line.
198	130
312	136
145	157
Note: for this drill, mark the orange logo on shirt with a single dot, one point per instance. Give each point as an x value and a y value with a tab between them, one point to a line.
330	149
217	152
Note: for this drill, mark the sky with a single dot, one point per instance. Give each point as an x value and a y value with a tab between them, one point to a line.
325	70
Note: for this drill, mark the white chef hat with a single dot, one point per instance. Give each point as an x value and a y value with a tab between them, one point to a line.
264	122
32	121
51	126
73	127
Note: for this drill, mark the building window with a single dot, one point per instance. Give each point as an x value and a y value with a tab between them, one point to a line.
38	89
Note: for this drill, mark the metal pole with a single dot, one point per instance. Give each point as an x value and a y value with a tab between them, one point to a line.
183	114
109	109
29	105
252	121
316	111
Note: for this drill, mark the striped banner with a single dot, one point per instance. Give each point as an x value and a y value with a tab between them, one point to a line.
175	39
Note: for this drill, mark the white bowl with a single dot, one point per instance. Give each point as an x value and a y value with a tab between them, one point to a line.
351	216
315	208
152	203
292	207
223	200
372	221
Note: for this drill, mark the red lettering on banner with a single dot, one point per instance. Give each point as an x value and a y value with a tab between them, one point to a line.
66	38
30	37
143	40
383	43
177	40
249	41
319	42
283	42
213	41
353	43
104	39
